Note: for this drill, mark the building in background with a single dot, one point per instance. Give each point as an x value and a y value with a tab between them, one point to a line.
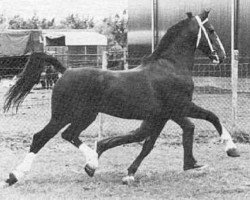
75	48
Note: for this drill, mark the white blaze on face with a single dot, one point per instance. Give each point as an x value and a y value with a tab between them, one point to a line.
90	155
226	137
25	166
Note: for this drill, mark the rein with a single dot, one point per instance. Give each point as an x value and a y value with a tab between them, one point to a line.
202	28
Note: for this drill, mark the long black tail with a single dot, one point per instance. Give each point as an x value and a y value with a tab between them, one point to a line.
29	77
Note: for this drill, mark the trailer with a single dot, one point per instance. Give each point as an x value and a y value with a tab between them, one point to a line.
15	47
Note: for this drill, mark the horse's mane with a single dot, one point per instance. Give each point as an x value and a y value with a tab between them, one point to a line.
169	37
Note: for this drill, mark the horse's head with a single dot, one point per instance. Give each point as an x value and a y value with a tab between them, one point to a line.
207	39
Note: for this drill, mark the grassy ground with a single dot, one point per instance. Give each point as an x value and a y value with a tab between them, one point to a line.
58	173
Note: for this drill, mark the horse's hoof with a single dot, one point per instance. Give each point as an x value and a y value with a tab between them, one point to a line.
12	179
233	152
89	170
127	180
195	166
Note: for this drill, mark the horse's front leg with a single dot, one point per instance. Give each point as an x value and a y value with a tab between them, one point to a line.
197	112
146	149
187	141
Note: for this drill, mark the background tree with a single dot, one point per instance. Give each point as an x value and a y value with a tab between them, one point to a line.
75	22
17	22
34	22
1	19
3	22
47	24
115	28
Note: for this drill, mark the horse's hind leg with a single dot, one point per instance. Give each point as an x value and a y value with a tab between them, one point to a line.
137	135
197	112
187	141
71	134
39	140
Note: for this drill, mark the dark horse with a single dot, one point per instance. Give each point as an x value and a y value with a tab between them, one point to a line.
158	90
51	76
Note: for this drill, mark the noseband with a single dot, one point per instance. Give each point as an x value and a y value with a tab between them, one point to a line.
202	28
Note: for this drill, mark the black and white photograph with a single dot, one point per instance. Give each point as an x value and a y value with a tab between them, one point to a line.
124	99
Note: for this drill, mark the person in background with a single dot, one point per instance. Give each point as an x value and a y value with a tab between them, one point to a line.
49	76
43	79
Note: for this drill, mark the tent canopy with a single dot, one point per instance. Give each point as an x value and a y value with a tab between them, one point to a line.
19	42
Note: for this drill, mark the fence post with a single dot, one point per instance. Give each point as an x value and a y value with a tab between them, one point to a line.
234	67
101	117
104	60
125	60
234	79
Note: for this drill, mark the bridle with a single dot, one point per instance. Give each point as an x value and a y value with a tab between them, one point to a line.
202	28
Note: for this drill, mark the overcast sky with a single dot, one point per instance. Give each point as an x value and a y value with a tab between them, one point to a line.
61	8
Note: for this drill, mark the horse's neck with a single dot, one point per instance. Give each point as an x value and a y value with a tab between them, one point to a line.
53	61
182	52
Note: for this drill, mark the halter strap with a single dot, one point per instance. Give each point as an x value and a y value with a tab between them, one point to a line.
201	24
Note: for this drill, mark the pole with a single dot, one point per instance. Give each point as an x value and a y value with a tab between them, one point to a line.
236	24
104	60
153	24
101	118
125	62
234	67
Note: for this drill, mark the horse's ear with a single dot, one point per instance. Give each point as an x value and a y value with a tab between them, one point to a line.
189	14
204	14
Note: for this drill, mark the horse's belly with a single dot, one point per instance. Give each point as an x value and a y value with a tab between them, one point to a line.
131	110
128	114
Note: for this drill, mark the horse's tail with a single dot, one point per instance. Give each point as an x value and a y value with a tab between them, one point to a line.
29	77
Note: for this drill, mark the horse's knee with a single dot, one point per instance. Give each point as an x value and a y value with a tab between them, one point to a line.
139	135
188	128
139	138
188	134
67	136
39	140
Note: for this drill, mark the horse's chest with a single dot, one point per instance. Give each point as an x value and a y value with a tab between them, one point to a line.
174	88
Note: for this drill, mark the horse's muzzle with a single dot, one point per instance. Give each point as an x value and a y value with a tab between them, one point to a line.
216	59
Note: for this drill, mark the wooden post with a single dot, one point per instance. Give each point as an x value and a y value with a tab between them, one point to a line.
104	60
154	24
125	60
234	79
153	3
234	67
101	118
